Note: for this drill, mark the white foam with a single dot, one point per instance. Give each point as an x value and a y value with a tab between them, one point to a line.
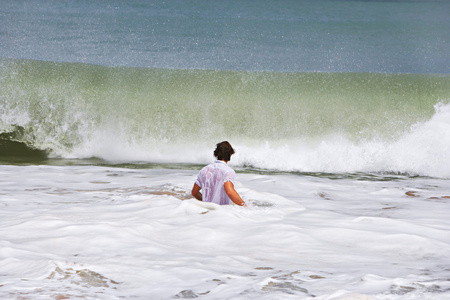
107	233
424	150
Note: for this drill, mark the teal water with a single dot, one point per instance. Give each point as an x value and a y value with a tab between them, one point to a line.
300	36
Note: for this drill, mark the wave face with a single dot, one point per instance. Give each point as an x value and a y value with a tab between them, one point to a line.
308	122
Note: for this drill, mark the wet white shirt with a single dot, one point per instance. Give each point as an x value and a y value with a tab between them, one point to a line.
211	180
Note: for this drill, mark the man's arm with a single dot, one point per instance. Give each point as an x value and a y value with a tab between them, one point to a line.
196	192
231	192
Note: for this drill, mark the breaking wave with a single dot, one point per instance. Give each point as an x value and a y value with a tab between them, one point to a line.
307	122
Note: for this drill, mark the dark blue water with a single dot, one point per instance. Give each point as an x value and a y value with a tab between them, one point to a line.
326	36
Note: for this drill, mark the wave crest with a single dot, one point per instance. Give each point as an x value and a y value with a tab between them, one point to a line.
309	122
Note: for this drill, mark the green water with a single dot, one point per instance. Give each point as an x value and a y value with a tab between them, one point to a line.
57	106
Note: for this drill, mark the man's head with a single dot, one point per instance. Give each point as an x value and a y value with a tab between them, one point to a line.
224	151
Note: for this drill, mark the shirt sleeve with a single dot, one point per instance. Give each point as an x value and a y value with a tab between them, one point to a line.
229	176
198	180
200	177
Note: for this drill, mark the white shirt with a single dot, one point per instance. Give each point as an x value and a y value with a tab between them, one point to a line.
211	180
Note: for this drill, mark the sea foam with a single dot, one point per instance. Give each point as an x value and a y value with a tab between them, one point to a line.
424	149
106	233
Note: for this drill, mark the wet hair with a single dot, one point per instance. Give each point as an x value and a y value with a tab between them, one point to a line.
224	151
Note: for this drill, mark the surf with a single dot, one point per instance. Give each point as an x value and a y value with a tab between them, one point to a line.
277	120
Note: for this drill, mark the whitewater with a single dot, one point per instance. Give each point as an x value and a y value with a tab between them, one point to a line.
109	233
339	112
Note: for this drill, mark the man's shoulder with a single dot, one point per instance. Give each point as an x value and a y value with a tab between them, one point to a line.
217	164
227	169
207	167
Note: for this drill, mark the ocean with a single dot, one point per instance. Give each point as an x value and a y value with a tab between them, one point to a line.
339	112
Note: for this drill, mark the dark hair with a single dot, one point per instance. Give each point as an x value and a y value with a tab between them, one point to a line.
224	151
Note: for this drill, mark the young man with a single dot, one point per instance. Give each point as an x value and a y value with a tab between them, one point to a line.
216	179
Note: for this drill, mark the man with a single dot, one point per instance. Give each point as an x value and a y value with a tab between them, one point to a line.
216	179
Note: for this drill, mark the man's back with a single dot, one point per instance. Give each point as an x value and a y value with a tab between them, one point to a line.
212	178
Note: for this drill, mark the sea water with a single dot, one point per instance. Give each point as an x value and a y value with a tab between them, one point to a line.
339	112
